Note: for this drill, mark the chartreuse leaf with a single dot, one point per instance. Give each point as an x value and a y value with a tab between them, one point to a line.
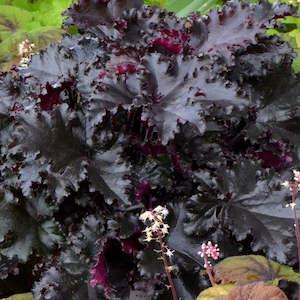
39	5
51	14
40	37
46	12
28	5
249	268
184	7
295	34
27	296
156	2
297	37
12	19
215	291
38	21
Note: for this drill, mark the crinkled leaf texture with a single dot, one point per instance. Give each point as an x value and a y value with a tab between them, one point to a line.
8	266
93	12
129	115
65	160
24	228
69	279
245	203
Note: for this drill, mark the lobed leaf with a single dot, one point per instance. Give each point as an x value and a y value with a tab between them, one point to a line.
252	268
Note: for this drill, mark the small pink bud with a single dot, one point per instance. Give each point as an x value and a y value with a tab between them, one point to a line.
209	250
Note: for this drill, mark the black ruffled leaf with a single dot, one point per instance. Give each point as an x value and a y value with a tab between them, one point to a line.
54	65
25	229
57	284
54	165
8	267
241	24
159	85
246	204
107	173
70	278
53	161
91	13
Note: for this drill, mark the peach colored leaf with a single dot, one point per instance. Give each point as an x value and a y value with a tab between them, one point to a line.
251	268
256	291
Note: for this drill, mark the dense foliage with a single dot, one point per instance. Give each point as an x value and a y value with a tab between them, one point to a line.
199	114
290	32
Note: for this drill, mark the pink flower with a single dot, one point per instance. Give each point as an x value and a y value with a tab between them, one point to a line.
209	250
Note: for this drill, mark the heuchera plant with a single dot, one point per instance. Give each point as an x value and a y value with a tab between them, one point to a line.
198	114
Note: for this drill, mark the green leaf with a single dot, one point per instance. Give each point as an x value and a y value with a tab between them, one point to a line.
28	5
183	8
215	291
296	35
39	21
27	296
39	5
40	37
50	15
250	268
156	2
12	19
72	30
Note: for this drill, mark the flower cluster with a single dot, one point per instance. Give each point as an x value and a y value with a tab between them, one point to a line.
209	250
25	51
156	217
157	231
293	186
289	185
296	175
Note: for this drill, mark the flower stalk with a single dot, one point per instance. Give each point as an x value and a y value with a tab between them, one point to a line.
167	267
209	250
157	231
293	188
208	270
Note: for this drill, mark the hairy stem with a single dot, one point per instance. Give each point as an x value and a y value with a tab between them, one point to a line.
164	257
208	269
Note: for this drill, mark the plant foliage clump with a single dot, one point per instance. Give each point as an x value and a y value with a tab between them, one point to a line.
199	114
